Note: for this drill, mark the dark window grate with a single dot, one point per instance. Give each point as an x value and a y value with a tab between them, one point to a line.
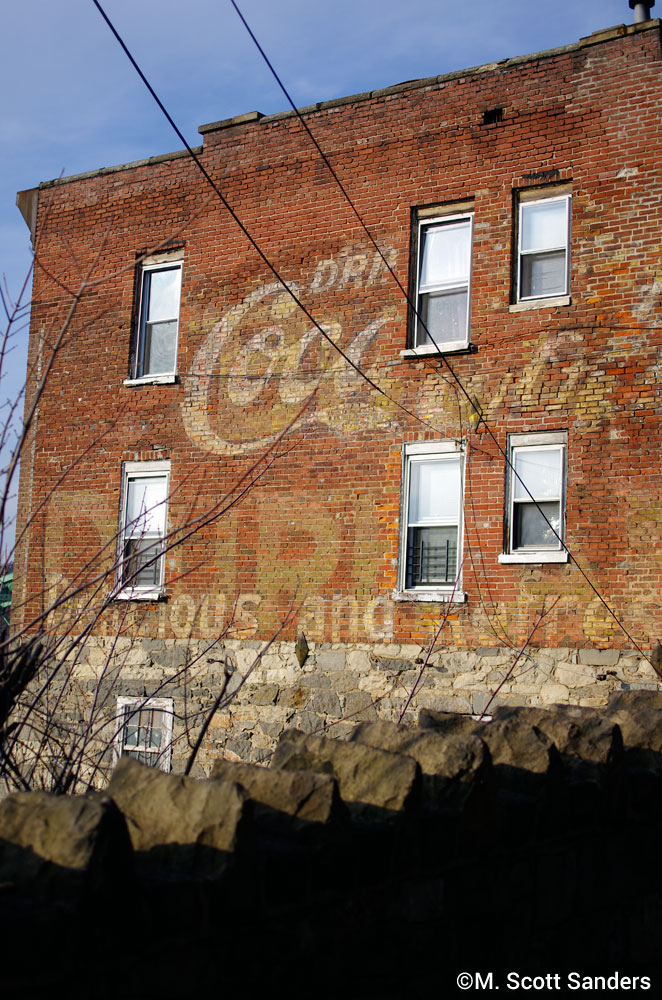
431	564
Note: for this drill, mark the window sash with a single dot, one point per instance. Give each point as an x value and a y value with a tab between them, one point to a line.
158	326
144	730
144	523
548	492
443	280
432	520
540	253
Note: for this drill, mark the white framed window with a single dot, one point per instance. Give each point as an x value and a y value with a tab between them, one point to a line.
144	730
535	521
543	247
443	283
143	529
155	352
431	520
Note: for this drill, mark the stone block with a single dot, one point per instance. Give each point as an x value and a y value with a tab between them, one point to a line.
457	757
271	729
265	694
172	658
308	797
575	731
150	646
326	703
359	702
369	779
444	702
394	664
182	823
308	722
315	680
358	660
514	744
574	675
598	657
331	659
481	700
60	846
637	714
551	693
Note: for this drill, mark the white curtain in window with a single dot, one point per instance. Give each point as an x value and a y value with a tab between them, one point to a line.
446	255
434	492
544	225
540	470
164	294
145	507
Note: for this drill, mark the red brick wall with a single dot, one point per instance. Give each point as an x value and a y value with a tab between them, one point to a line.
322	525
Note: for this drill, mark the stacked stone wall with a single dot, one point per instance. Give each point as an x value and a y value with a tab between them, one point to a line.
394	860
335	688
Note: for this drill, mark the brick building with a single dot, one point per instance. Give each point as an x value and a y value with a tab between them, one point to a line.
201	444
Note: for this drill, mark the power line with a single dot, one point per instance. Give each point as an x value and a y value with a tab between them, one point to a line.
288	288
475	407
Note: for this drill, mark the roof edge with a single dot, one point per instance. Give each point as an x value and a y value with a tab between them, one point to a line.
161	158
597	38
251	117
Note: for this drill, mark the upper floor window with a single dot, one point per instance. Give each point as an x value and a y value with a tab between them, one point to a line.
143	529
543	249
443	282
535	518
158	319
432	517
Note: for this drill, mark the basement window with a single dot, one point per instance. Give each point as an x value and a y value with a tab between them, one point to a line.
159	295
144	730
143	530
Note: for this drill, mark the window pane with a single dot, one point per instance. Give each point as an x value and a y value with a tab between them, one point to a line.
431	556
444	315
543	274
445	254
142	563
544	225
145	505
540	471
131	737
530	528
153	740
164	294
434	491
160	348
146	733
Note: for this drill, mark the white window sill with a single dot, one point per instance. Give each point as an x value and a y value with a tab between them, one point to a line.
151	380
548	303
444	348
432	596
534	557
157	594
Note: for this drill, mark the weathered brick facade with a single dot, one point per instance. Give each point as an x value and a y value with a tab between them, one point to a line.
320	530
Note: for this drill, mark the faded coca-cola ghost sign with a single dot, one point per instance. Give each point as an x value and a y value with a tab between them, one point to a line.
263	360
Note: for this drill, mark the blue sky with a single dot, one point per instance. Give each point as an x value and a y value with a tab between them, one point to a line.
72	102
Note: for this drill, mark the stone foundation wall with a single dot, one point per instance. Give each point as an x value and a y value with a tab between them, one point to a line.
335	687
